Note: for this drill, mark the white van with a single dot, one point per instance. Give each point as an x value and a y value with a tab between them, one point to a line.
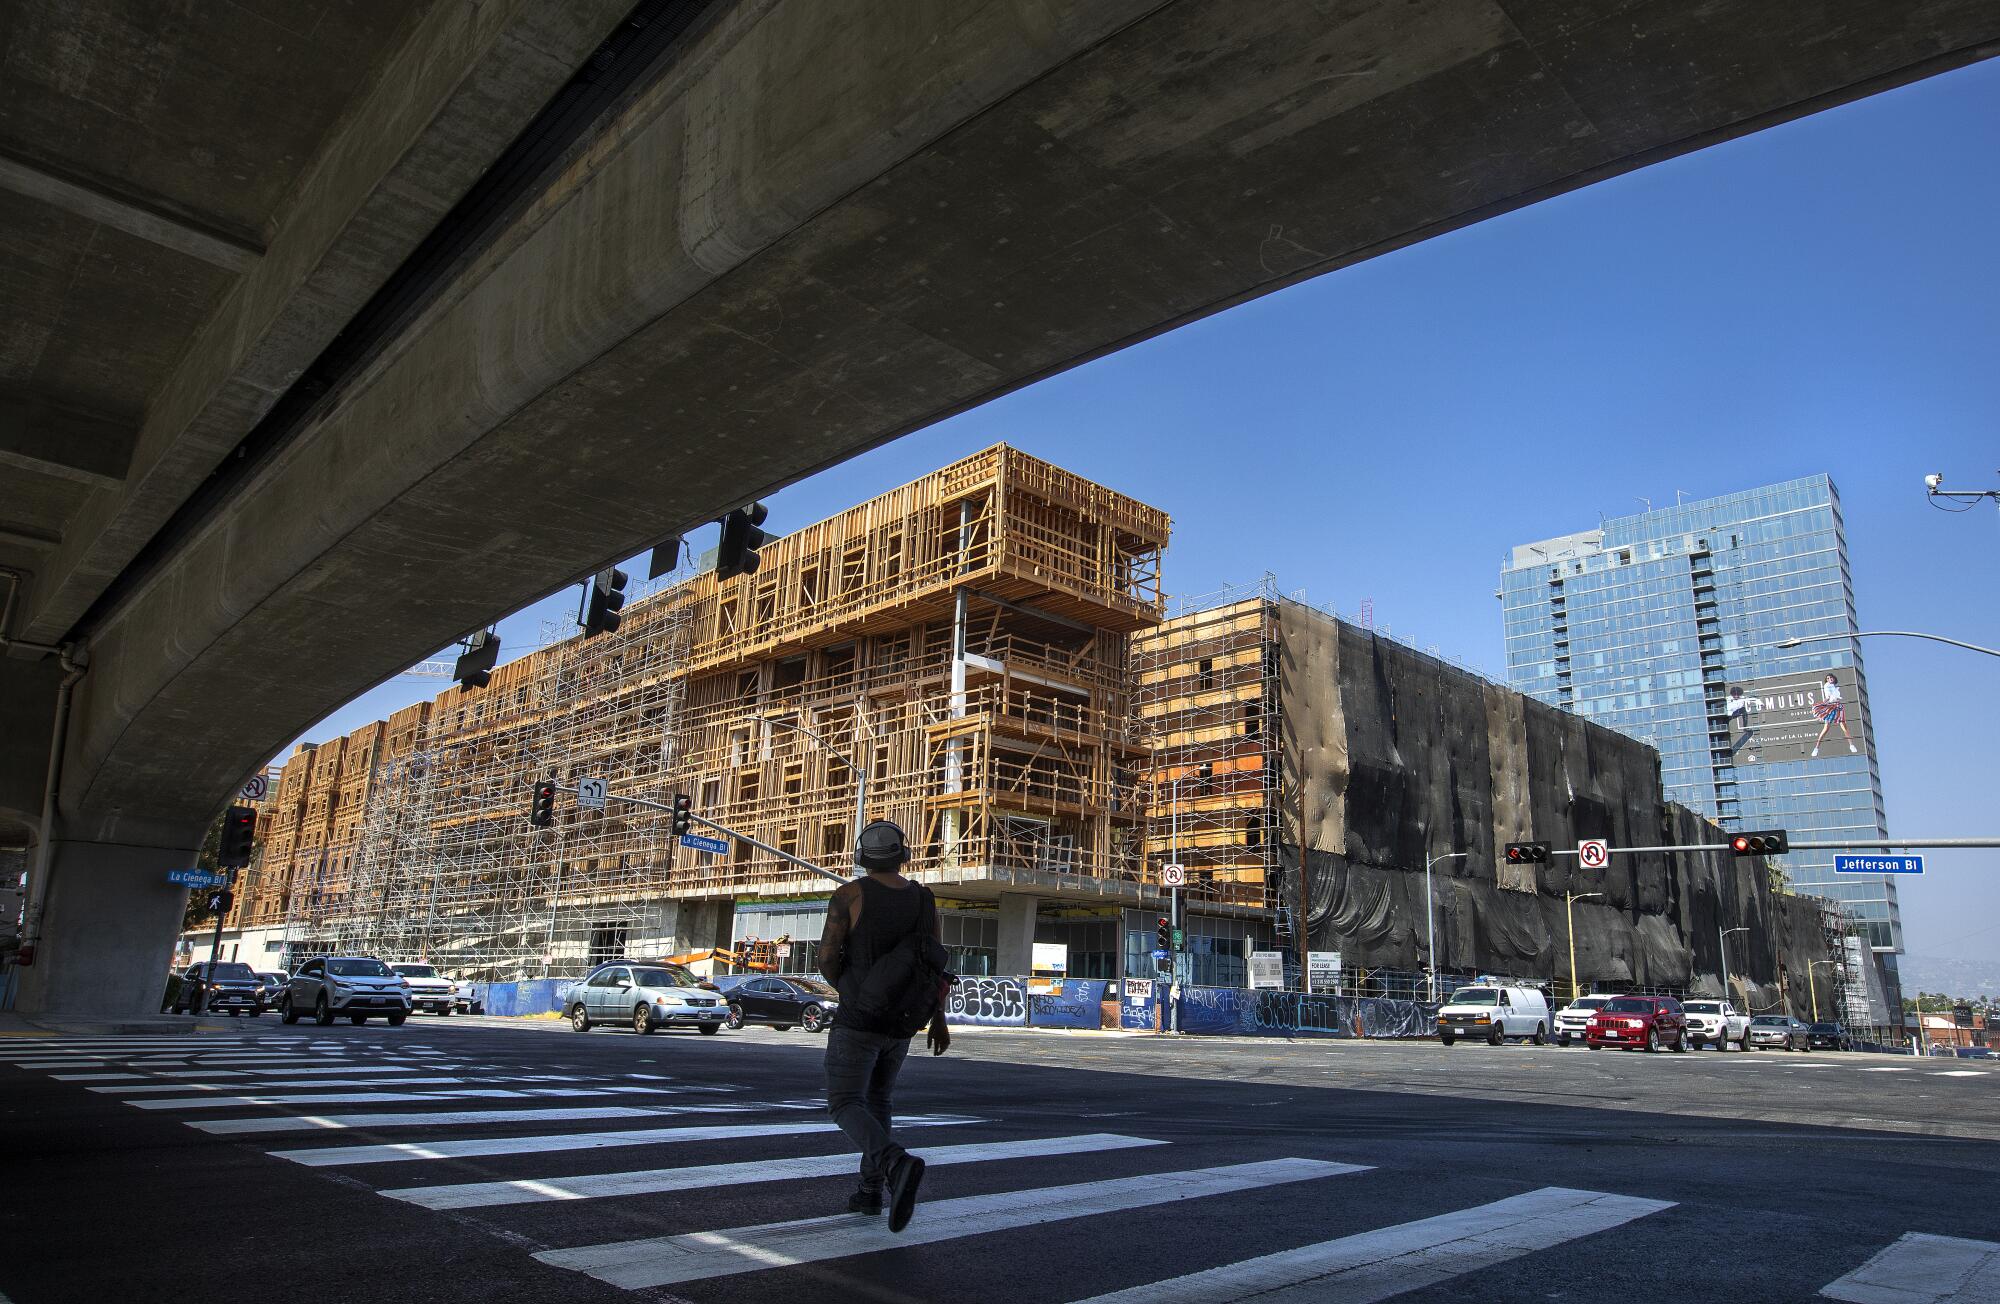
1495	1013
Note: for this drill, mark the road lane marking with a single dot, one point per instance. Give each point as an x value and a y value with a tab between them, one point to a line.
1378	1265
458	1118
1924	1269
479	1195
695	1256
339	1156
1960	1073
281	1084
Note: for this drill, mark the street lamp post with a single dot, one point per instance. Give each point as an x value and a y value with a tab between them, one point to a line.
1569	909
1722	949
1813	987
1430	916
1883	633
860	774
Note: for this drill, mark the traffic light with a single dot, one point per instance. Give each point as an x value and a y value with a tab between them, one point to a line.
543	812
239	831
1762	842
607	596
683	813
475	665
736	553
1166	934
1527	853
219	902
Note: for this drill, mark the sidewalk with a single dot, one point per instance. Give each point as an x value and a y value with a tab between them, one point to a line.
19	1025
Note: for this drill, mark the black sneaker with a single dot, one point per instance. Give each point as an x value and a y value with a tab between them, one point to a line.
865	1201
903	1180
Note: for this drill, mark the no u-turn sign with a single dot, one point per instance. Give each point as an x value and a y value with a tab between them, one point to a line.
1593	853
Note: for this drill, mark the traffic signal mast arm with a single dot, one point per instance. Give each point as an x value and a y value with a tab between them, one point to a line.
725	830
1890	844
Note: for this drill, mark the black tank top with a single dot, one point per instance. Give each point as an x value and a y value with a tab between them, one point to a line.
888	915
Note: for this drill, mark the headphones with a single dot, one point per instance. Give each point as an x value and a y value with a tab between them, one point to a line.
881	846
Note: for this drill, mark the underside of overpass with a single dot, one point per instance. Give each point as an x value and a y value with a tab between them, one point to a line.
335	331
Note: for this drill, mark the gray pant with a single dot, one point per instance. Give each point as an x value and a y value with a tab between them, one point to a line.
861	1070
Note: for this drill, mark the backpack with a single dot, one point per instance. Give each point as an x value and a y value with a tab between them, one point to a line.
905	986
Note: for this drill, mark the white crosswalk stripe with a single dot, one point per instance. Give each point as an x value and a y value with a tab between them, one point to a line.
391	1097
1923	1269
667	1260
343	1156
479	1195
1380	1264
465	1118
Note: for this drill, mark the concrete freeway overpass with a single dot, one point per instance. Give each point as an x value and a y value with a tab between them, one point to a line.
335	331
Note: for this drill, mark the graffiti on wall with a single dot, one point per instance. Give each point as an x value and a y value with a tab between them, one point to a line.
1072	1003
993	1002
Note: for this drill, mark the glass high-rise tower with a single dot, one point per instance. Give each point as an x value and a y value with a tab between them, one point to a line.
1665	625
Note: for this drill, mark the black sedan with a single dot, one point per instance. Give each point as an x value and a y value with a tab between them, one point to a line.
1826	1036
793	1001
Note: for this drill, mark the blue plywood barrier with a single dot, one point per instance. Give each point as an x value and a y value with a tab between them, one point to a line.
1238	1011
535	996
1077	1003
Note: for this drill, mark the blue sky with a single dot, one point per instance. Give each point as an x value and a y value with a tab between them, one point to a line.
1822	296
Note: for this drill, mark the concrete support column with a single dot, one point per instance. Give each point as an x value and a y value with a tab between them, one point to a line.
1015	951
109	924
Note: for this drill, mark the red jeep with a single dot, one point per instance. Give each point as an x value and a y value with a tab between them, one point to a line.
1633	1021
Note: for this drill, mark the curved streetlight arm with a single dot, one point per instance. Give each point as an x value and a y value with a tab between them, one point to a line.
1430	916
860	775
1886	633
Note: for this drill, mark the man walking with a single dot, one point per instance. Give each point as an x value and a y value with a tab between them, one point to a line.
867	922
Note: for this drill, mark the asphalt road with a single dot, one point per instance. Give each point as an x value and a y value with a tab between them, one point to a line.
461	1160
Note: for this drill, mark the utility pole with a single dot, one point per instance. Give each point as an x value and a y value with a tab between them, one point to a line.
1569	908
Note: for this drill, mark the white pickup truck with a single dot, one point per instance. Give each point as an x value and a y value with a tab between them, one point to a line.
1718	1022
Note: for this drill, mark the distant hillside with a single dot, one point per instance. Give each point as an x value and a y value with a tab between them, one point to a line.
1930	973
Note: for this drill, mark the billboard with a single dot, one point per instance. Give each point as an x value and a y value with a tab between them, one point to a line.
1797	717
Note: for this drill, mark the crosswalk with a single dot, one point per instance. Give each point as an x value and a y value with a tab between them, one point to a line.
531	1154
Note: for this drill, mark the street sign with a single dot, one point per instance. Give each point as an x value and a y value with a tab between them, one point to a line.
699	843
255	789
1593	853
784	950
1878	864
590	794
1174	876
1159	955
196	878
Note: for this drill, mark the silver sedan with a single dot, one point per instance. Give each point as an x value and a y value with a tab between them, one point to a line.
1778	1030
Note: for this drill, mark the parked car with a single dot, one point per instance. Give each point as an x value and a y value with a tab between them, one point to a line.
1573	1018
1635	1021
1494	1013
1827	1036
358	986
1778	1030
784	1003
233	987
274	987
643	996
429	989
1719	1022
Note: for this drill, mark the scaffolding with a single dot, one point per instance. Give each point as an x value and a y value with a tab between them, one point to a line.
1208	695
957	646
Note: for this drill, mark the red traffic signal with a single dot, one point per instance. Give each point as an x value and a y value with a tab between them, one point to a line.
1527	853
542	812
1760	842
683	813
239	836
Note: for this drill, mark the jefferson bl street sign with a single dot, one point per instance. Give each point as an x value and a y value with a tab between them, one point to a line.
1878	864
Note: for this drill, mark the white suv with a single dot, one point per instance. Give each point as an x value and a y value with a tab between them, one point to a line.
429	990
1571	1019
1716	1021
358	986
